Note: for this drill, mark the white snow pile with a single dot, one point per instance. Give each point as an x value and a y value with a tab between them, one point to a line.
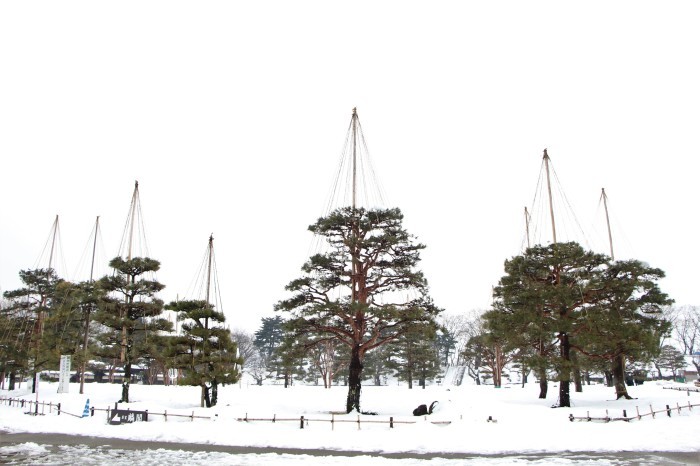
523	423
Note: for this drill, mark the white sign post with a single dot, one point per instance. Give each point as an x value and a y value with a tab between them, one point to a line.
64	374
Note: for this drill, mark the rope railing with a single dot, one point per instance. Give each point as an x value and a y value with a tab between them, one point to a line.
607	418
111	411
683	389
303	421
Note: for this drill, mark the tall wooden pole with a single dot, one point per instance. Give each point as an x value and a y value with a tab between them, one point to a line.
549	191
39	327
527	227
89	310
607	219
132	218
354	158
209	257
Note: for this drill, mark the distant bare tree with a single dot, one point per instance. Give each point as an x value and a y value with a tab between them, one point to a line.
246	347
462	327
686	326
254	364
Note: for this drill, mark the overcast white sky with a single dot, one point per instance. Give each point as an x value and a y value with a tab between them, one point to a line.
233	115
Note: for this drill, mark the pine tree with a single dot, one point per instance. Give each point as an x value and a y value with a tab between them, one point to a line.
541	298
627	320
130	310
205	352
30	307
414	356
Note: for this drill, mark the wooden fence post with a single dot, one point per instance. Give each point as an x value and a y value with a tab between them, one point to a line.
668	411
653	415
391	422
301	422
58	407
165	415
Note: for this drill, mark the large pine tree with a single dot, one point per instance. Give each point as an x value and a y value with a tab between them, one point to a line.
541	298
364	291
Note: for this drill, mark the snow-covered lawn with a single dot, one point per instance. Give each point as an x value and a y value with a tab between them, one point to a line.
524	422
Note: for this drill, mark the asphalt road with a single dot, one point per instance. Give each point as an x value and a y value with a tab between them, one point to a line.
626	458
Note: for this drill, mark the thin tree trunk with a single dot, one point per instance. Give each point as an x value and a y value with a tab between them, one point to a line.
618	373
565	372
608	378
355	380
543	383
578	387
13	379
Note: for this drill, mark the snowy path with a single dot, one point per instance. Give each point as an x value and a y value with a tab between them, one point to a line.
69	449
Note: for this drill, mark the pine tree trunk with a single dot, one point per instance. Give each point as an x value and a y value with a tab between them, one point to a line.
205	392
543	383
578	387
618	373
127	369
577	381
565	372
608	378
355	381
214	393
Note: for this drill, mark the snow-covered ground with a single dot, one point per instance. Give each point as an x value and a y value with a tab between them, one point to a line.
525	424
